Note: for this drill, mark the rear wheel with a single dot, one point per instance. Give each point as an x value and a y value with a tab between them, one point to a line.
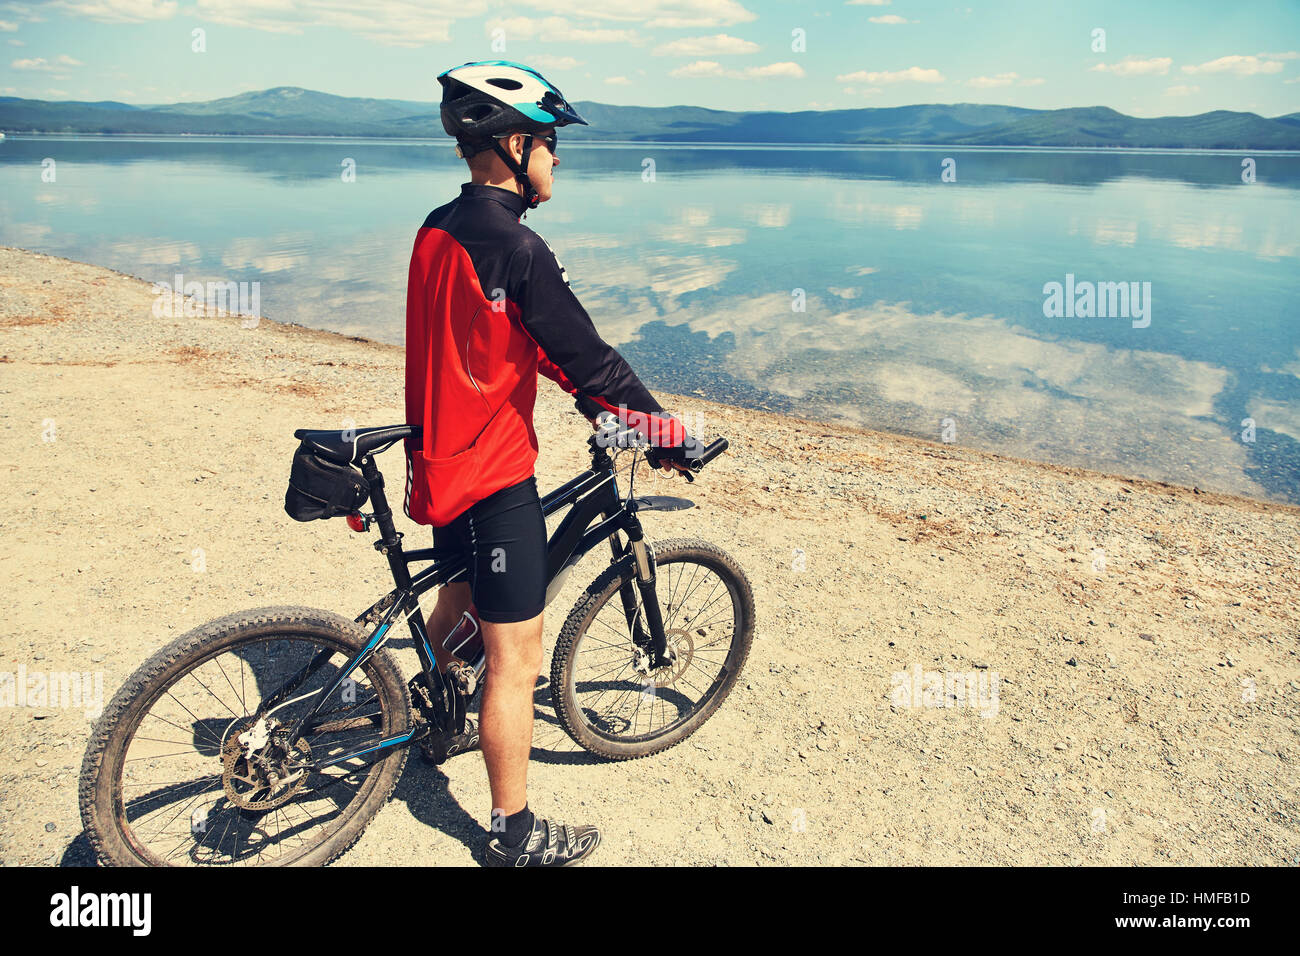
606	696
180	773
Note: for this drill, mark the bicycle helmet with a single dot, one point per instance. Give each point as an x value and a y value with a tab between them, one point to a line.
483	99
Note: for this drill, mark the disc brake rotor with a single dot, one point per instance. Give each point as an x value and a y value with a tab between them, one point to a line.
681	647
257	765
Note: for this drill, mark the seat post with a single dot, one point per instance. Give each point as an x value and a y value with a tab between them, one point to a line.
390	539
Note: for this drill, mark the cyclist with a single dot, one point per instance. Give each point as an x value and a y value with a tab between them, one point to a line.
488	308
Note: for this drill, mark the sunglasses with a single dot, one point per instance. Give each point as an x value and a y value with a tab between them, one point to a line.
550	140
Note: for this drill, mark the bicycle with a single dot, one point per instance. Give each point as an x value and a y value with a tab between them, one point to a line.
326	722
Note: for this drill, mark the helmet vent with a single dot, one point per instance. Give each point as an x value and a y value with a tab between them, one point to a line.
504	83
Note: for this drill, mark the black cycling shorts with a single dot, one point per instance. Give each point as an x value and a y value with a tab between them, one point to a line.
503	538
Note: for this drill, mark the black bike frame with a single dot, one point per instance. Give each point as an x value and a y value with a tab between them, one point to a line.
591	495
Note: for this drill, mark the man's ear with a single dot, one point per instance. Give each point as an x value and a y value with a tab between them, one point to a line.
517	146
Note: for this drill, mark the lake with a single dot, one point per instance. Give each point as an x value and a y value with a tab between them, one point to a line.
906	289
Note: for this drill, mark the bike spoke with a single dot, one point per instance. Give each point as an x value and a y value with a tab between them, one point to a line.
619	702
198	819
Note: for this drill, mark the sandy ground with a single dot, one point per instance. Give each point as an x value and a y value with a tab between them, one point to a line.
1141	638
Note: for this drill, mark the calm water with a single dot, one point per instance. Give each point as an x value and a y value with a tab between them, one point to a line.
920	300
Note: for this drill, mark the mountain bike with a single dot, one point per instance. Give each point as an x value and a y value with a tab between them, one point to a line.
274	736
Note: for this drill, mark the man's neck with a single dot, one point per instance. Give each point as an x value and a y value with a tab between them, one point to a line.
509	184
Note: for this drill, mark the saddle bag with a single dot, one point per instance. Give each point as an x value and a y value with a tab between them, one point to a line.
320	488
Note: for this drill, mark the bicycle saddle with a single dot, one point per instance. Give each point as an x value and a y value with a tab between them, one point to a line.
349	447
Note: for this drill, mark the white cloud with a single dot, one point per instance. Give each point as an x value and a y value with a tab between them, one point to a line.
401	23
717	45
1288	55
786	69
618	81
43	65
889	18
1241	65
669	14
559	30
119	11
547	62
1181	90
1136	66
7	27
711	68
1003	79
913	74
866	3
988	82
698	68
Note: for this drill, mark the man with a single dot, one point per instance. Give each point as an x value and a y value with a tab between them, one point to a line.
488	308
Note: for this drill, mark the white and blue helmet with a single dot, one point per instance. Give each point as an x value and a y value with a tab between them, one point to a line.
483	99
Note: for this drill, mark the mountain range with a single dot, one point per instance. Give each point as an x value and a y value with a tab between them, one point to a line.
293	111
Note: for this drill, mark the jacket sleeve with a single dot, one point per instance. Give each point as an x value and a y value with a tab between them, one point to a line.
571	352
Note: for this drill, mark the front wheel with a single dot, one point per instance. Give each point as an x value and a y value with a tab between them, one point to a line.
188	767
607	697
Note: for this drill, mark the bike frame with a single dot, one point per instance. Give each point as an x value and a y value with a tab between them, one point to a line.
590	496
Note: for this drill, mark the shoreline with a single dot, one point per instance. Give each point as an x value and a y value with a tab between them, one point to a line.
1144	636
1070	470
707	145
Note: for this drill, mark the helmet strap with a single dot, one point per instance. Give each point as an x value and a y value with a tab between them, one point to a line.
521	172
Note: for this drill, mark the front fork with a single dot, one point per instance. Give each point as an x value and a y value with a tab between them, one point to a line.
643	562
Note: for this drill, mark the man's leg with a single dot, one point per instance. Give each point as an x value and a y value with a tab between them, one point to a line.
514	659
453	601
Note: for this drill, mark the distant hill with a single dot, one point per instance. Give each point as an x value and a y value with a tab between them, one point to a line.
1100	126
292	102
293	111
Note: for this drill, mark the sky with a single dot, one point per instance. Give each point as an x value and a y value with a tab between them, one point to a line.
1148	58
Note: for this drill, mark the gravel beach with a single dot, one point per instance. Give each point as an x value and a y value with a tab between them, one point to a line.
1140	639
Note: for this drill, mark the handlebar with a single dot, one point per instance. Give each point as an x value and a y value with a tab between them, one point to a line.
706	456
612	433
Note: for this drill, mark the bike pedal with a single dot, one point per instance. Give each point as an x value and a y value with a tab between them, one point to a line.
437	749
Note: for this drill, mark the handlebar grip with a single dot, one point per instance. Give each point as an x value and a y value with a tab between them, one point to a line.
709	453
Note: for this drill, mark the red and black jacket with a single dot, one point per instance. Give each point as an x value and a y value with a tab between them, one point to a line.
488	306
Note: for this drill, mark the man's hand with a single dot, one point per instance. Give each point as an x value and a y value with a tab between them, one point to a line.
672	460
673	467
